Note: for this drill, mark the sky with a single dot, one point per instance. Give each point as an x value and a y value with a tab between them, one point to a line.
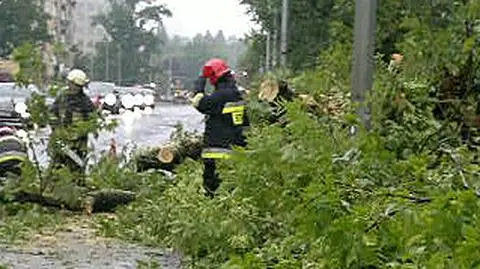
197	16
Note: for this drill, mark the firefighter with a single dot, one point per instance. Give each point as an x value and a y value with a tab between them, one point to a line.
68	144
225	118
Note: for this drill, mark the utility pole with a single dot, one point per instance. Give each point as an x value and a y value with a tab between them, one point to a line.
267	56
284	45
275	38
170	77
119	71
107	64
363	57
92	67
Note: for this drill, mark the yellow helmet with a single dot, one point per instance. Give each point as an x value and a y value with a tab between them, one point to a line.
78	77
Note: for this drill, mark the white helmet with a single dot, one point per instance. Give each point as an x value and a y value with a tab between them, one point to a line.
77	77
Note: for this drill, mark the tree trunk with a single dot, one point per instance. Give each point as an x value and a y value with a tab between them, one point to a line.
105	200
271	91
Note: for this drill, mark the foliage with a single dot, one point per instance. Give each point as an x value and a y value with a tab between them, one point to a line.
308	195
252	59
21	22
17	221
314	26
32	68
305	41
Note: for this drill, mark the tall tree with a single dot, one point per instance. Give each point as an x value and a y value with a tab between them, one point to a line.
129	52
21	22
188	55
315	25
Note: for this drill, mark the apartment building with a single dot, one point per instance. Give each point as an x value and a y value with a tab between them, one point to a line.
87	35
60	24
61	28
70	24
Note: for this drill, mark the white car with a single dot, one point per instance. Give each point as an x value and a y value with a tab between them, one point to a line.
148	98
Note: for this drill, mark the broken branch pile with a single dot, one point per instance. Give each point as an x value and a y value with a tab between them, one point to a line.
334	103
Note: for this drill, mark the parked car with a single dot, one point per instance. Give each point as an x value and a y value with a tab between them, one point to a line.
127	97
14	123
113	101
148	98
103	95
10	93
14	98
181	97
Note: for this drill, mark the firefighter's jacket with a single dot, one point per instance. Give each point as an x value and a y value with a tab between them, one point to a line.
226	117
69	111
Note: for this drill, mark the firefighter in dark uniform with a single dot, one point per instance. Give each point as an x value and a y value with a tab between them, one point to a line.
226	118
68	144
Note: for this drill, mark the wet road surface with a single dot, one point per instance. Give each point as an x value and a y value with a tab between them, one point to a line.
138	130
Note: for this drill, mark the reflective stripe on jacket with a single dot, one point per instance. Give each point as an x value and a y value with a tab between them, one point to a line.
225	115
12	148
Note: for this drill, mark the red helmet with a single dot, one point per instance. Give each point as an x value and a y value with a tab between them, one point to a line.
215	69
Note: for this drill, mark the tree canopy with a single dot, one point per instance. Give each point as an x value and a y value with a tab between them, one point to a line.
188	55
131	44
315	25
21	22
146	54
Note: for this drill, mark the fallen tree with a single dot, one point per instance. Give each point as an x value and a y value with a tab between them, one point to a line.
80	200
168	156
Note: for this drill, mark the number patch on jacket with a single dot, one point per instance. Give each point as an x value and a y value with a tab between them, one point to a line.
237	118
237	111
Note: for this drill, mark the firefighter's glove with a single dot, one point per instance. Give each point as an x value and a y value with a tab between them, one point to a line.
200	84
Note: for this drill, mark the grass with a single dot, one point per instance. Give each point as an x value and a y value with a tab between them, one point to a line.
18	221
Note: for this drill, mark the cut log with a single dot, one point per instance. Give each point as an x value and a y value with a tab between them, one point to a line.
89	202
169	155
268	90
106	200
271	91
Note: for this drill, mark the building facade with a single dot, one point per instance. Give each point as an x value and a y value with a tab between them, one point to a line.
70	25
61	28
60	25
87	35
